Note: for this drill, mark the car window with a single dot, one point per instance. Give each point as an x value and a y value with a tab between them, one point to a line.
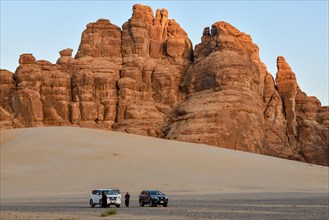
155	193
107	192
114	192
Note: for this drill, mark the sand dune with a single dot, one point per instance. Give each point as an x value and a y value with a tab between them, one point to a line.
57	161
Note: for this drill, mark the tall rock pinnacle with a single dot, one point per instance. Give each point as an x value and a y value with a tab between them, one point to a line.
156	52
287	87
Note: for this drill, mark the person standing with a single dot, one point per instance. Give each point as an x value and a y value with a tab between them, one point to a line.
127	197
104	200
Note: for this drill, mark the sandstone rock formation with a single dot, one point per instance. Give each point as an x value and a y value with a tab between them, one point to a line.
26	99
156	52
146	79
224	80
7	86
55	94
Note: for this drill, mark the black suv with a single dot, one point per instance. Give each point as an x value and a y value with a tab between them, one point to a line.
153	198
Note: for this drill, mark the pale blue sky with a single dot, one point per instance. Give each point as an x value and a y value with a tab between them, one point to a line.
297	30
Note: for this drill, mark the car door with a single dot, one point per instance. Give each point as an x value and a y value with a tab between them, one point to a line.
142	196
93	195
98	196
147	196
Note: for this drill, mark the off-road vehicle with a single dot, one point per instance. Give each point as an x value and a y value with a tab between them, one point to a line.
113	197
153	198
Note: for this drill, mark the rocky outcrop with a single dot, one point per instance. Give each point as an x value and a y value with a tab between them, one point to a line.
26	99
55	94
101	39
146	79
65	59
313	129
156	52
94	93
287	87
307	132
224	80
275	139
95	72
7	87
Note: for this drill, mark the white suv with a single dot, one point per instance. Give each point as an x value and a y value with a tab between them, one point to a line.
113	197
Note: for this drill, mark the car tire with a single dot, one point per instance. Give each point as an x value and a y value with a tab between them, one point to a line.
151	203
100	203
118	206
91	203
165	204
141	203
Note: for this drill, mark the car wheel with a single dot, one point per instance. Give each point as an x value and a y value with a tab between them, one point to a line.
165	204
92	205
141	203
151	203
100	203
118	206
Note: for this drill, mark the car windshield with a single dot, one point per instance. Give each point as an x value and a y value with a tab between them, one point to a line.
155	193
114	192
106	192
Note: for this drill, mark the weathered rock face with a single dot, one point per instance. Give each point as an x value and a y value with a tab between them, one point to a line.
7	86
156	52
275	140
94	93
312	127
101	39
287	87
224	80
95	72
146	79
55	94
26	98
237	98
65	59
307	132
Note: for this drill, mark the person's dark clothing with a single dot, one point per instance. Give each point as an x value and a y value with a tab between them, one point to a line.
104	200
127	197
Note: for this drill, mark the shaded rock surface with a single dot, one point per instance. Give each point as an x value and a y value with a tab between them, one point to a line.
7	86
145	78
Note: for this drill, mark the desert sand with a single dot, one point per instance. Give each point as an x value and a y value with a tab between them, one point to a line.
53	167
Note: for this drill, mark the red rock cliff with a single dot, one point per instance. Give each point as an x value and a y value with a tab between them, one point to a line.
146	79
